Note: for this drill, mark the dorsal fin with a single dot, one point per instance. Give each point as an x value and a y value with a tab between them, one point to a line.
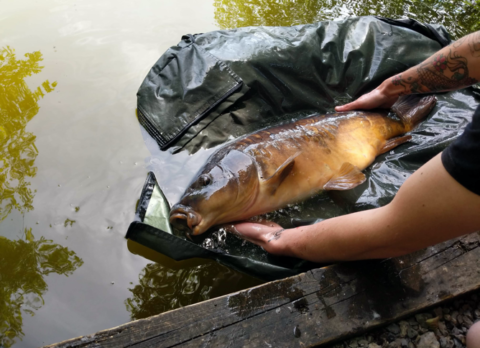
346	178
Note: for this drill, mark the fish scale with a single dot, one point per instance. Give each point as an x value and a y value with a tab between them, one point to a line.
274	167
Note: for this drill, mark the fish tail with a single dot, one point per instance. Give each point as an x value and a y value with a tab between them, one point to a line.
412	109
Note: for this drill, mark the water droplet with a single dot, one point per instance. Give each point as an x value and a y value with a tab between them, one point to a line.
208	243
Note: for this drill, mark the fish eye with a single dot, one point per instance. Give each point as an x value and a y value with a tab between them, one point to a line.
205	180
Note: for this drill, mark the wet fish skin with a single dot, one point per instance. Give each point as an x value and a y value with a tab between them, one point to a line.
274	167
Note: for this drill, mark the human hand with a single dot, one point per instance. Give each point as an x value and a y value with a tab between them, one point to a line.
377	98
257	233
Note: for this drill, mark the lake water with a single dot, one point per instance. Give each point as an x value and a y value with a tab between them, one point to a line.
73	161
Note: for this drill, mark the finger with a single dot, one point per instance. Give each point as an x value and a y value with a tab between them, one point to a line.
250	228
251	232
346	107
268	223
255	232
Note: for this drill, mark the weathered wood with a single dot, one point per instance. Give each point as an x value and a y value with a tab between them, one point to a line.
310	309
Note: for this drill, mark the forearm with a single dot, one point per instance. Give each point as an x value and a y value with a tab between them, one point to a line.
350	237
453	67
429	208
344	238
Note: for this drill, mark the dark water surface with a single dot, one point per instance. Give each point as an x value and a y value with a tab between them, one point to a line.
73	161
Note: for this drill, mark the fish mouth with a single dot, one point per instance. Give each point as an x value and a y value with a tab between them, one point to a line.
185	218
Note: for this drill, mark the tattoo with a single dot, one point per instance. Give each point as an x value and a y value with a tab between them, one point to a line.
459	66
276	235
437	79
397	81
459	42
474	44
444	73
440	63
410	85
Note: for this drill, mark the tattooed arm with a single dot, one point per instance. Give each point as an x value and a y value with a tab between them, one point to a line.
453	67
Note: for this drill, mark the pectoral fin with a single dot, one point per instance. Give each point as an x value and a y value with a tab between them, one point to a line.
276	179
347	178
393	143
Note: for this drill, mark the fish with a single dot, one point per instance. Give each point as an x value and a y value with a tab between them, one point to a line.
274	167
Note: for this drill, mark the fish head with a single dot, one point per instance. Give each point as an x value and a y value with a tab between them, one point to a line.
221	192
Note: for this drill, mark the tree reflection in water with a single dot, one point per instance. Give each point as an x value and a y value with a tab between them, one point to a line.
168	284
23	265
24	262
458	16
18	105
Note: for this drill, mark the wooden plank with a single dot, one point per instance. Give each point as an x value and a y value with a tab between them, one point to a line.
313	308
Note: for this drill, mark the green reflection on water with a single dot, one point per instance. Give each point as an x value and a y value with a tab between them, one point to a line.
169	284
23	265
460	17
18	105
24	262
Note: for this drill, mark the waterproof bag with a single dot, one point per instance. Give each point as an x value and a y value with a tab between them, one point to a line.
215	87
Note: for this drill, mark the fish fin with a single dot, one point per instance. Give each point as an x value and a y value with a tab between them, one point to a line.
412	109
275	180
393	143
347	178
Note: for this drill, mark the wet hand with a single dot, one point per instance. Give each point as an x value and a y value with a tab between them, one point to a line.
375	99
260	234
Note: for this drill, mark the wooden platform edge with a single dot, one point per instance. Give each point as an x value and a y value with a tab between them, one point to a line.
311	309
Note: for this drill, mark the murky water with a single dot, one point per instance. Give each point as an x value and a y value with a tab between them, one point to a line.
73	161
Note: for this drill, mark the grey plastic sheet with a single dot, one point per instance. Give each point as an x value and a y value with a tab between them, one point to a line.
215	87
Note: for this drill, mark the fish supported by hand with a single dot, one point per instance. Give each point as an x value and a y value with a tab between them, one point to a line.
274	167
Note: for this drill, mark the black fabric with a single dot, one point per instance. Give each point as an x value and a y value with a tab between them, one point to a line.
186	84
226	83
178	249
462	158
438	34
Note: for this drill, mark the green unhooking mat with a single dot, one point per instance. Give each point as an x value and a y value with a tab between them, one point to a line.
212	88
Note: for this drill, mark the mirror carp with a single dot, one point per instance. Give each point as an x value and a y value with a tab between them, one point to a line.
274	167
